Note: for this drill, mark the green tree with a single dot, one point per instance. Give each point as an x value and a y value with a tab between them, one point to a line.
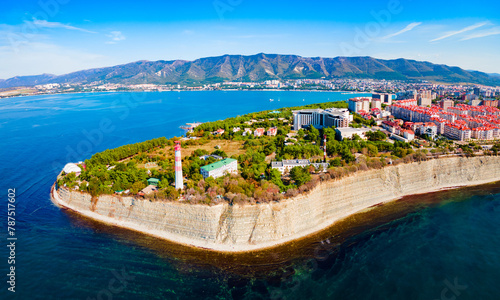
376	135
196	177
399	152
275	177
269	149
347	156
300	175
219	153
336	162
312	133
372	150
300	133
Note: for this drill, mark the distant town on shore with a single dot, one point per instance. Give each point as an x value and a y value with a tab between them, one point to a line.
401	89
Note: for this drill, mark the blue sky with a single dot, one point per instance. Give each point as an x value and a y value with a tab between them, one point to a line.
61	36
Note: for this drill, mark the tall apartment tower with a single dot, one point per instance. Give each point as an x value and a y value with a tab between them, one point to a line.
178	166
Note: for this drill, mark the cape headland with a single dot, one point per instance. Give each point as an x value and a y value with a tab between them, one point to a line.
267	178
238	228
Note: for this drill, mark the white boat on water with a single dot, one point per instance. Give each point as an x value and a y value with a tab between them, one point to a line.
271	100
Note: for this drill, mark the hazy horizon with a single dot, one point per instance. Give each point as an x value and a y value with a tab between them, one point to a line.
60	36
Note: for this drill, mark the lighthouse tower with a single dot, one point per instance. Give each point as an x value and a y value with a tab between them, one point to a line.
178	166
324	147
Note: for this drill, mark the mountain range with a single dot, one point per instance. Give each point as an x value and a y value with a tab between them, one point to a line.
261	67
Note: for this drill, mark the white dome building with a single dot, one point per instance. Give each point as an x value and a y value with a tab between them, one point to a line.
72	168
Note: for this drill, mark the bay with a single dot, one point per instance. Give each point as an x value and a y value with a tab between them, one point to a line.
412	249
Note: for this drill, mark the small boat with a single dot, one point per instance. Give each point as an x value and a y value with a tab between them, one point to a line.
271	100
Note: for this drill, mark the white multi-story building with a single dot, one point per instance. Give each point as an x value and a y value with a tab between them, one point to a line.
376	104
349	132
428	128
287	165
220	168
359	104
457	132
425	98
385	98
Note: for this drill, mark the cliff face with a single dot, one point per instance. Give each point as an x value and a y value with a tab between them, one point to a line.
242	228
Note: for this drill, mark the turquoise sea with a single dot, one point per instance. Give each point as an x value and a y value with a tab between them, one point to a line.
442	245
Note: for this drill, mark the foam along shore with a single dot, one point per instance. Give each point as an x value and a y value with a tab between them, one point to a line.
235	228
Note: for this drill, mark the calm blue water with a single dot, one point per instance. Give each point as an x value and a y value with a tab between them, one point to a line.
435	246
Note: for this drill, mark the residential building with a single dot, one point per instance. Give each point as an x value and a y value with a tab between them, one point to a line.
359	104
384	98
319	118
376	104
408	134
440	122
476	102
427	102
247	131
349	132
482	133
491	103
425	98
219	131
306	117
153	181
398	138
287	165
337	117
428	128
391	126
471	97
220	168
455	123
457	131
272	131
445	103
259	132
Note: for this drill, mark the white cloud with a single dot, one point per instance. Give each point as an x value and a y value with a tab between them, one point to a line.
47	24
452	33
34	58
484	33
410	26
115	36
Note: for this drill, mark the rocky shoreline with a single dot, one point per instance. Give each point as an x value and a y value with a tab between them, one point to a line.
241	228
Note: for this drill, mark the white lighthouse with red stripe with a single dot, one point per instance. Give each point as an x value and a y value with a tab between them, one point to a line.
178	166
324	147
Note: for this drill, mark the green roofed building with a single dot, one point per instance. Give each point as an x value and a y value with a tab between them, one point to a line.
153	181
220	168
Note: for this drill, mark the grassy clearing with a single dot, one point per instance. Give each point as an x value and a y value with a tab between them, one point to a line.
230	147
